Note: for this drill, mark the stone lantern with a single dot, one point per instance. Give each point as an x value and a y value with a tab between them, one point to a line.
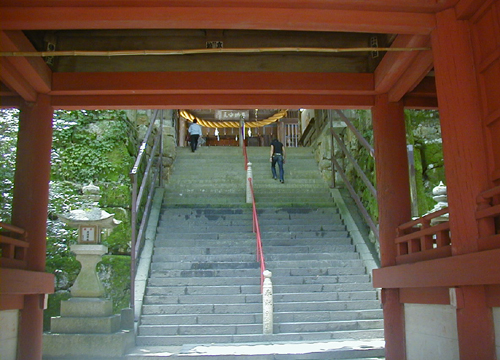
87	327
440	196
89	250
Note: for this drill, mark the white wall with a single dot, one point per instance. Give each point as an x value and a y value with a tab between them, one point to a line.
305	118
496	319
431	332
9	320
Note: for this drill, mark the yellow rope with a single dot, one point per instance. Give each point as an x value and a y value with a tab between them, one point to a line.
233	124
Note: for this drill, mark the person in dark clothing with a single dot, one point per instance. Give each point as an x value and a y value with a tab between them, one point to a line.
194	133
277	156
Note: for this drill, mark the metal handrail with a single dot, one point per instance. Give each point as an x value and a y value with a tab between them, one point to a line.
338	168
145	175
256	229
355	131
355	164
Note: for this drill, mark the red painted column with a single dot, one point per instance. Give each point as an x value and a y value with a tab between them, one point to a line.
393	196
466	169
29	211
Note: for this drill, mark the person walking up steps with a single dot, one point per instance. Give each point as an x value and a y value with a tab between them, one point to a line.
277	156
194	133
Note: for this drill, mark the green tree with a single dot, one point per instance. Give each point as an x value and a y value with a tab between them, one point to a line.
9	120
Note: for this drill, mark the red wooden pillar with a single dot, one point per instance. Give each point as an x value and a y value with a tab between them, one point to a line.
393	196
29	211
466	169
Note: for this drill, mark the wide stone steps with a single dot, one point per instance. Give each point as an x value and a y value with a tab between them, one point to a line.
204	283
216	177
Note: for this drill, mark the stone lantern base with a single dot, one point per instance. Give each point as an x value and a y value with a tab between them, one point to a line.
88	329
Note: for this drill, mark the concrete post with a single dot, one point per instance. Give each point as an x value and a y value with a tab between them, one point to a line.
267	304
249	176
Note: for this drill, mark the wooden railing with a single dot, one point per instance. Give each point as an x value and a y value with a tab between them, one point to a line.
420	239
488	217
13	246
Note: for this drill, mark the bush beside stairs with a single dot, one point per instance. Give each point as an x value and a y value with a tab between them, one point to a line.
203	293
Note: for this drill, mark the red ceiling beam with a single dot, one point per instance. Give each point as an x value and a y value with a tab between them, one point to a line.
419	68
165	17
211	101
390	5
395	64
135	83
465	9
8	102
34	69
25	76
14	80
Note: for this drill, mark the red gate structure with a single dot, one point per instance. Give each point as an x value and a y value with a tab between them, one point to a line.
317	54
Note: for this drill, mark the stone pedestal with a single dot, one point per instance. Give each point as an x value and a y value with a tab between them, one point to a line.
86	329
87	284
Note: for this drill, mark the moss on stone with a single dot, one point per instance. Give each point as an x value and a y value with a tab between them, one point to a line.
118	241
114	272
115	194
54	307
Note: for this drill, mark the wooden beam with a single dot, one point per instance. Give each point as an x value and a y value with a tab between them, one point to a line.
14	80
248	18
33	69
419	68
388	5
481	268
398	73
22	282
422	103
465	9
142	83
395	64
210	101
8	102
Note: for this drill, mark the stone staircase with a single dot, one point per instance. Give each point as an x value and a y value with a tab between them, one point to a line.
204	284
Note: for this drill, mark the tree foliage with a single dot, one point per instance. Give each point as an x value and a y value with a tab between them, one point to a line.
9	120
82	140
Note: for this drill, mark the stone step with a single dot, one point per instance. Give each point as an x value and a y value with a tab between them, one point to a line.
209	339
176	290
244	299
251	257
245	329
323	271
256	318
269	250
248	238
288	212
234	265
203	299
189	226
255	280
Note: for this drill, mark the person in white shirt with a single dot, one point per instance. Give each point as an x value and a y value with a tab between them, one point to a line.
194	134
